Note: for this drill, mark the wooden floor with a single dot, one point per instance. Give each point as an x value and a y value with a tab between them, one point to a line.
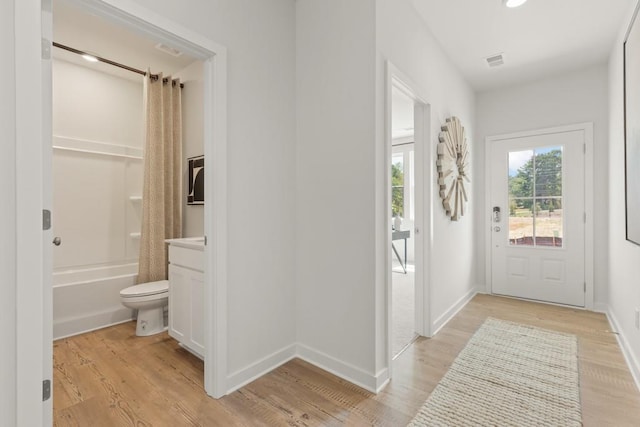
112	378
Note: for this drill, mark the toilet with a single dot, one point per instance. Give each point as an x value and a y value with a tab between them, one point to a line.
149	299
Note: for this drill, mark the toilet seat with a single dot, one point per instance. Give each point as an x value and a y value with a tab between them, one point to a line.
146	289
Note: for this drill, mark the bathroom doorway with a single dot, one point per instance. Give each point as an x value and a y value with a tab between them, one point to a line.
213	59
98	140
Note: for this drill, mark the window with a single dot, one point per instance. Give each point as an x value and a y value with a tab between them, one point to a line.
397	185
402	181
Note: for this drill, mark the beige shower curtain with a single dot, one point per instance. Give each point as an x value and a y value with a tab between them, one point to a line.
161	193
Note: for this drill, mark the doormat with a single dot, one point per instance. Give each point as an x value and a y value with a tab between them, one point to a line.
508	374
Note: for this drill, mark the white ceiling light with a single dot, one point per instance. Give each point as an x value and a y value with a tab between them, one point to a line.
513	3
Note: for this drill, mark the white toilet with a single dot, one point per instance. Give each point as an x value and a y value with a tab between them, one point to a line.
149	299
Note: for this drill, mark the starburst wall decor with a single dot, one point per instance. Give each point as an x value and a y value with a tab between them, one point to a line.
453	165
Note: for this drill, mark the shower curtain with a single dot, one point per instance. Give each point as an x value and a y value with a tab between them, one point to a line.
161	193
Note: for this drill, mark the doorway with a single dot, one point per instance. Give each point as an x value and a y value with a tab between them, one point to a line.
33	124
538	186
97	175
403	265
408	211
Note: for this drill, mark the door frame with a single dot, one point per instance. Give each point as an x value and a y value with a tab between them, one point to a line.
587	129
32	109
423	203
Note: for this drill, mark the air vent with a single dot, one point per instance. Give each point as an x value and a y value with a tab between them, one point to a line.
495	60
168	49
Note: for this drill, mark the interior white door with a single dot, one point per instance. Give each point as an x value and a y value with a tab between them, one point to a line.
47	204
538	217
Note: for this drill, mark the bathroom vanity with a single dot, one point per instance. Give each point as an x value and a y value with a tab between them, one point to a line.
186	293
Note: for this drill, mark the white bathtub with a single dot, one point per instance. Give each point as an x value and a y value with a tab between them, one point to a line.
88	299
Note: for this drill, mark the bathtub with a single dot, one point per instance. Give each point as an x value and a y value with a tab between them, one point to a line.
86	299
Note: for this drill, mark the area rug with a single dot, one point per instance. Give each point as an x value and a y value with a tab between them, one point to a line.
508	374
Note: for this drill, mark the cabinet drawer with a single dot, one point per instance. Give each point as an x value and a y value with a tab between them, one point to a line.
189	258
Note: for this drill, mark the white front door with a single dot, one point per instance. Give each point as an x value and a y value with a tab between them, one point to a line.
538	210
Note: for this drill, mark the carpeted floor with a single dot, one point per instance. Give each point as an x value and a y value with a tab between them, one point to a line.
403	307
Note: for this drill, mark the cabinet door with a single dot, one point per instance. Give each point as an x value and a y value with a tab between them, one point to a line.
179	300
197	312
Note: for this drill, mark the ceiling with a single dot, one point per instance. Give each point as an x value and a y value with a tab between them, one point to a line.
77	28
540	38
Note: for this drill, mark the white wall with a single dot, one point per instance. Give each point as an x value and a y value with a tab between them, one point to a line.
340	299
335	184
192	141
575	97
624	256
7	218
260	38
405	40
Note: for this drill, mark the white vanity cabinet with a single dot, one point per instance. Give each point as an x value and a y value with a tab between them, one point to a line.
186	293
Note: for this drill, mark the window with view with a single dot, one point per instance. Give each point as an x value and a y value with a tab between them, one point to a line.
397	185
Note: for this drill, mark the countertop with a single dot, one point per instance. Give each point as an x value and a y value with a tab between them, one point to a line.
196	243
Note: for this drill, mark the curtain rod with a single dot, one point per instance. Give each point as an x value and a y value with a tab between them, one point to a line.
110	62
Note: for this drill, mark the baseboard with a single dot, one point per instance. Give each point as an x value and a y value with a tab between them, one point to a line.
372	383
346	371
70	326
632	361
382	379
600	307
263	366
482	289
452	311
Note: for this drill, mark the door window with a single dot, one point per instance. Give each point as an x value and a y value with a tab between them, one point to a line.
535	197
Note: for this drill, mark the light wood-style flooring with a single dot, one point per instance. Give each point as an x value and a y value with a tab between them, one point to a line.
99	379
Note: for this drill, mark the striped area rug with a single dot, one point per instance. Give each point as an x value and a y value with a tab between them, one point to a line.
508	374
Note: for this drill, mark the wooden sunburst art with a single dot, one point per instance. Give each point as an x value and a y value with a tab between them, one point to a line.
453	166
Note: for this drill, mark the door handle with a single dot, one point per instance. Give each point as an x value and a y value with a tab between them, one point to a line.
496	229
57	241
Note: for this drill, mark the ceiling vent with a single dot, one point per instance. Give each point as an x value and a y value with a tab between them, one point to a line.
168	49
495	60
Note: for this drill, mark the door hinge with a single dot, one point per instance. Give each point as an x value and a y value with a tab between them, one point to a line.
46	390
46	219
585	287
46	49
205	240
584	217
584	148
